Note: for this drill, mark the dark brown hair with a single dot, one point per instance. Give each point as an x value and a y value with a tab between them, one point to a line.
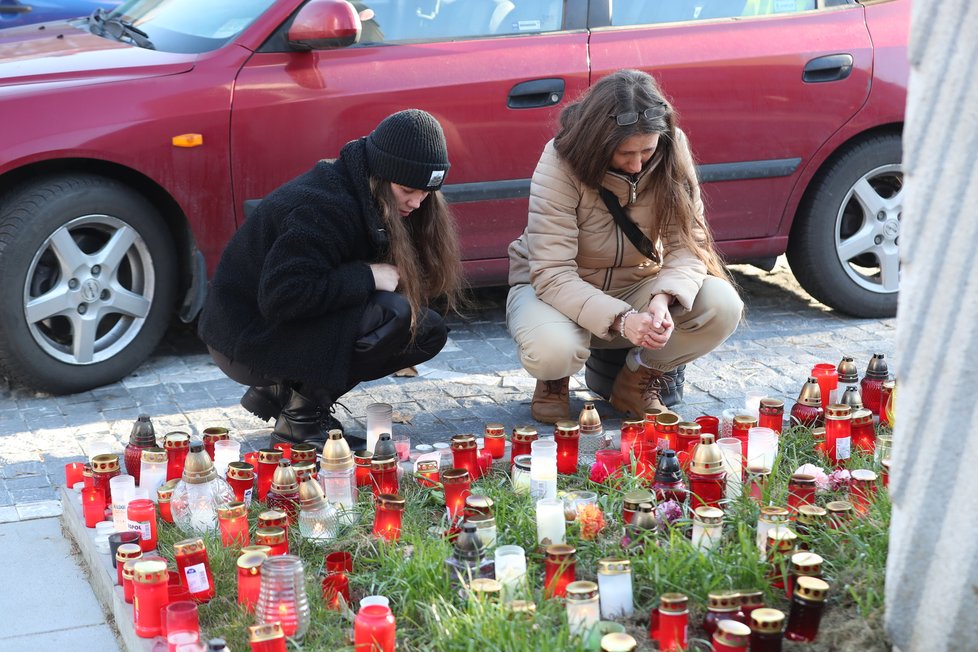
424	248
589	134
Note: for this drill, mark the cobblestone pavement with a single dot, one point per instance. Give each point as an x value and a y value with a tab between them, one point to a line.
476	379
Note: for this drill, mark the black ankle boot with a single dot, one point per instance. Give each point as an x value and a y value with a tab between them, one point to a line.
302	421
266	402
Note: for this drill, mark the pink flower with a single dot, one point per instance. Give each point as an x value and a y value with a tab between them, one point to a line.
667	513
839	479
821	480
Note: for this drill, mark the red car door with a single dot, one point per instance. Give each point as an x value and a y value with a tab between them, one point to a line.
496	84
757	95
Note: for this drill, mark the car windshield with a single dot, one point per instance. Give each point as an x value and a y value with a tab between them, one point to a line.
189	25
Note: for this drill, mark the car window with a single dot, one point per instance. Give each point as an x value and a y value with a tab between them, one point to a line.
651	12
436	20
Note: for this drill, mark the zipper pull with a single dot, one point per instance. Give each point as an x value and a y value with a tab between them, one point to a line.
633	191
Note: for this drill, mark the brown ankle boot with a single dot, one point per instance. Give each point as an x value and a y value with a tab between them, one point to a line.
636	391
551	401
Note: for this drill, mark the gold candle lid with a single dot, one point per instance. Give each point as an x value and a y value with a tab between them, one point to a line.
806	563
269	455
811	588
129	568
708	515
862	417
463	442
128	551
723	600
165	491
391	502
558	552
234	509
839	508
774	514
612	566
304	471
618	642
810	394
863	475
265	633
284	480
751	598
272	517
636	497
494	430
176	440
581	590
522	606
767	621
454	476
781	538
311	496
270	536
524	434
251	561
744	421
105	463
479	504
707	457
188	546
689	429
771	404
732	633
337	455
265	550
153	455
667	421
240	471
652	413
215	433
383	464
838	412
673	603
303	453
802	478
810	514
149	571
632	423
567	429
485	586
590	420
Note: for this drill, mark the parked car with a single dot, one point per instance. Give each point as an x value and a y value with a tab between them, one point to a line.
140	137
24	12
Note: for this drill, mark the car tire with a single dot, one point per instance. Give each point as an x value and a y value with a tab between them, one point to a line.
844	244
89	287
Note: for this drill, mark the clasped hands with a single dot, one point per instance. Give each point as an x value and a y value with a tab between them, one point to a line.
652	328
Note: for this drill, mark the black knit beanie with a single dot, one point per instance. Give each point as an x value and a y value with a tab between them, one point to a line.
408	148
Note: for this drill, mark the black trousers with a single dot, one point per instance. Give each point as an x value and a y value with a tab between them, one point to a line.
383	346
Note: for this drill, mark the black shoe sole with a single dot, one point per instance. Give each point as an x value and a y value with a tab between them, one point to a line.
259	405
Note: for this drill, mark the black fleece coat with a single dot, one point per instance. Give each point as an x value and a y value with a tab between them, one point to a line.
292	284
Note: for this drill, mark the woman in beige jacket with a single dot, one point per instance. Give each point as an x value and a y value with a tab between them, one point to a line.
578	282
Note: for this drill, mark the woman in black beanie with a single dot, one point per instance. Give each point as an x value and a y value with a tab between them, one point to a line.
327	283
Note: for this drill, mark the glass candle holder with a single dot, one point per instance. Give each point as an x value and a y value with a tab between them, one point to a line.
336	591
550	521
631	501
722	605
648	421
282	597
465	455
383	476
105	466
125	552
198	494
477	504
318	518
273	518
268	459
607	464
687	436
226	451
862	431
631	431
426	469
666	431
362	461
485	529
194	568
862	489
210	436
163	496
286	449
827	377
88	475
740	430
766	626
871	386
771	414
801	490
379	419
177	446
669	622
758	478
249	578
152	469
523	437
707	527
543	469
762	447
886	402
74	473
275	538
141	516
733	466
807	606
781	544
402	444
495	437
583	609
510	570
267	638
707	479
121	489
128	571
116	539
521	473
241	479
803	564
149	596
182	625
374	629
838	432
615	588
387	517
731	636
559	569
232	521
771	516
567	435
456	483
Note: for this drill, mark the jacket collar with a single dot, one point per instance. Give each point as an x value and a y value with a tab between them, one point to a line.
353	162
626	187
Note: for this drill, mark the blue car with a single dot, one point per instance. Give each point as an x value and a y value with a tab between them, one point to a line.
24	12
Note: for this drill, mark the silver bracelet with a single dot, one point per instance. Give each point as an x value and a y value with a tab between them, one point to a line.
624	316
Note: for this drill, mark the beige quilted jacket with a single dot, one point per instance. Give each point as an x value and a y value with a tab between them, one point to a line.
574	254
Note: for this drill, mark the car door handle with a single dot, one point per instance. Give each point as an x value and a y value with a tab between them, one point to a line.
536	93
14	9
832	67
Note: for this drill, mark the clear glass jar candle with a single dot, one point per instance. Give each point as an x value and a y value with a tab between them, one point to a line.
521	474
510	569
282	595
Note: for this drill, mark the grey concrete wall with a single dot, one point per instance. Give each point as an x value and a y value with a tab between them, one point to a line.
932	570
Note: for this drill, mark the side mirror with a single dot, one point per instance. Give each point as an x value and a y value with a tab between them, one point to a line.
324	25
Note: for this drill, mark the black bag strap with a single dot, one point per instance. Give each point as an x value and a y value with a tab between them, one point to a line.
627	226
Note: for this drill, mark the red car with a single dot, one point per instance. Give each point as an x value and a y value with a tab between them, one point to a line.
135	140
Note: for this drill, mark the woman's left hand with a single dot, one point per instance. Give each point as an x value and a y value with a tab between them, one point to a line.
662	324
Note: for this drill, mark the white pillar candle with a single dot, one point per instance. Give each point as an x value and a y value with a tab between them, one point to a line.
550	521
752	402
379	416
731	449
707	527
762	447
121	489
225	452
615	588
152	470
583	610
543	469
510	570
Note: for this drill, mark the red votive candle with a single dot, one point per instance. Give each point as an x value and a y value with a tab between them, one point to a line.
362	460
670	622
212	435
465	455
194	568
667	431
275	538
339	561
249	578
93	506
233	522
862	431
862	489
335	586
687	436
771	414
241	478
631	501
251	457
740	430
374	629
827	377
383	476
104	468
126	552
495	438
127	573
88	475
387	517
268	459
838	432
163	495
74	473
731	636
631	430
801	490
709	423
286	449
807	605
149	596
273	518
141	515
567	434
559	570
523	436
607	464
267	638
177	445
457	484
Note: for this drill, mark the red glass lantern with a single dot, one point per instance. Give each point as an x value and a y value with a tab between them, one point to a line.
275	538
268	459
361	462
267	638
194	568
862	489
241	478
838	432
104	468
141	436
283	494
251	457
687	436
211	435
862	431
274	518
374	629
177	446
607	464
631	430
807	605
233	522
387	517
149	596
93	506
886	396
559	569
771	414
126	552
740	430
709	423
523	436
163	495
128	569
567	434
648	422
495	438
457	484
827	377
670	623
383	475
871	385
807	410
285	448
465	455
666	431
141	516
249	578
801	490
707	479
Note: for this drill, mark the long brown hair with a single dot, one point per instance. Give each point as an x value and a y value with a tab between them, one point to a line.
589	134
424	248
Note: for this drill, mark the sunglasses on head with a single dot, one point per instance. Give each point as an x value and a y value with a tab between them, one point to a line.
630	118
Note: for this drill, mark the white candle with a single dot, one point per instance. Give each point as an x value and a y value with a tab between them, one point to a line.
225	452
550	521
543	468
583	610
121	488
730	447
615	588
379	416
510	569
707	527
762	447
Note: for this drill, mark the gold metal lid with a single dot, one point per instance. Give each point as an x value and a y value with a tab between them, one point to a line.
265	633
153	455
732	633
391	502
272	517
839	507
524	434
522	462
811	588
303	453
304	470
674	603
632	423
198	468
251	561
176	439
767	621
667	421
240	471
612	566
311	496
234	509
479	504
848	373
838	411
806	563
522	606
485	586
802	479
744	421
758	473
270	536
852	398
215	433
128	551
652	413
105	463
862	417
187	546
558	552
567	429
165	491
269	455
774	514
751	598
708	515
129	568
383	464
772	404
362	457
636	497
618	642
265	550
87	470
337	455
707	456
689	429
149	571
723	600
810	514
581	590
818	433
284	480
454	476
494	430
463	442
810	394
781	538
